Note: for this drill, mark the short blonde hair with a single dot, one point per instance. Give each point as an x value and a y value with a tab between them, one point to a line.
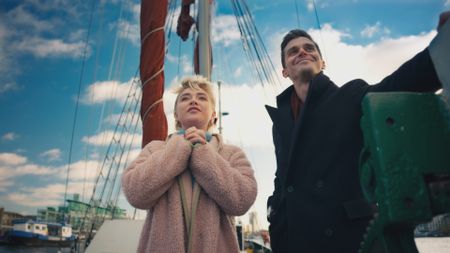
197	83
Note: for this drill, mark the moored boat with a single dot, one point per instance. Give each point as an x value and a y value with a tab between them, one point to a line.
38	233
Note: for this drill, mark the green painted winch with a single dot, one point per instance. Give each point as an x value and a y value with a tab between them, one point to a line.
404	166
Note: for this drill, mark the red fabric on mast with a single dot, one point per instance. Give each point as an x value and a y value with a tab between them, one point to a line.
153	18
185	21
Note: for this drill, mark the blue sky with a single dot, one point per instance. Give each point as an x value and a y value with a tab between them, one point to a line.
42	47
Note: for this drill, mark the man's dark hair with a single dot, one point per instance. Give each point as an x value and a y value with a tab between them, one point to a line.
293	34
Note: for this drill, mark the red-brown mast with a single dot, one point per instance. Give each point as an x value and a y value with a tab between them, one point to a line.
153	17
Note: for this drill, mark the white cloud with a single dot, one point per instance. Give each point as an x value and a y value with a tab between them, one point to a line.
109	1
82	175
14	165
33	169
129	28
42	48
225	30
447	3
6	87
101	139
105	137
238	72
52	154
135	10
81	170
49	5
310	5
49	195
25	199
11	136
10	172
5	183
12	159
103	91
319	4
174	21
187	65
370	31
234	129
32	27
370	62
129	31
78	35
113	119
20	16
171	58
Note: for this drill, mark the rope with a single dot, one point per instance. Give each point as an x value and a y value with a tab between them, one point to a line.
319	26
152	31
171	15
179	53
110	73
296	9
317	15
152	77
253	44
78	98
149	108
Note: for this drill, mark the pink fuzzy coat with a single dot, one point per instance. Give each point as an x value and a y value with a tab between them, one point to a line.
228	188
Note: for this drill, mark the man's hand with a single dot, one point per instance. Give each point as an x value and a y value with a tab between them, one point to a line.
443	18
194	136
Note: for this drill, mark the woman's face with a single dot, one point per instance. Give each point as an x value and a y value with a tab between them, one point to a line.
194	108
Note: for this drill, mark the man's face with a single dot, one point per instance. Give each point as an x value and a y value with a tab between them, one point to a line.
302	59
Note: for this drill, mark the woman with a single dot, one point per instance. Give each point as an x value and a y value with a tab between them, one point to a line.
191	184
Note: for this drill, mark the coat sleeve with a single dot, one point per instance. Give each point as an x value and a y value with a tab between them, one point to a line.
417	75
152	173
229	181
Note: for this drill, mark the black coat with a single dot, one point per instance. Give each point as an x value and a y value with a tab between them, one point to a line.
318	205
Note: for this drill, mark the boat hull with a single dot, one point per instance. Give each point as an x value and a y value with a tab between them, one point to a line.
39	240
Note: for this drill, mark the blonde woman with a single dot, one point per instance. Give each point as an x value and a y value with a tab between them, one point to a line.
192	184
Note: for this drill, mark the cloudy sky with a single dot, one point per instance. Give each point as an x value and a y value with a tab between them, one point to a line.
55	53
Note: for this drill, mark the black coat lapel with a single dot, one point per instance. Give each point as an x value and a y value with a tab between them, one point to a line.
317	87
284	126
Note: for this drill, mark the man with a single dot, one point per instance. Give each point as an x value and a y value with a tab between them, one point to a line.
317	204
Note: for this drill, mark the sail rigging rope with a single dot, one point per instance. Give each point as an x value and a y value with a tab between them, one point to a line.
317	15
110	77
117	148
91	117
169	21
111	167
266	58
319	27
296	10
78	98
253	44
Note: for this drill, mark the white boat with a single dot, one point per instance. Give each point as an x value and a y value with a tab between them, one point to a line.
37	233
